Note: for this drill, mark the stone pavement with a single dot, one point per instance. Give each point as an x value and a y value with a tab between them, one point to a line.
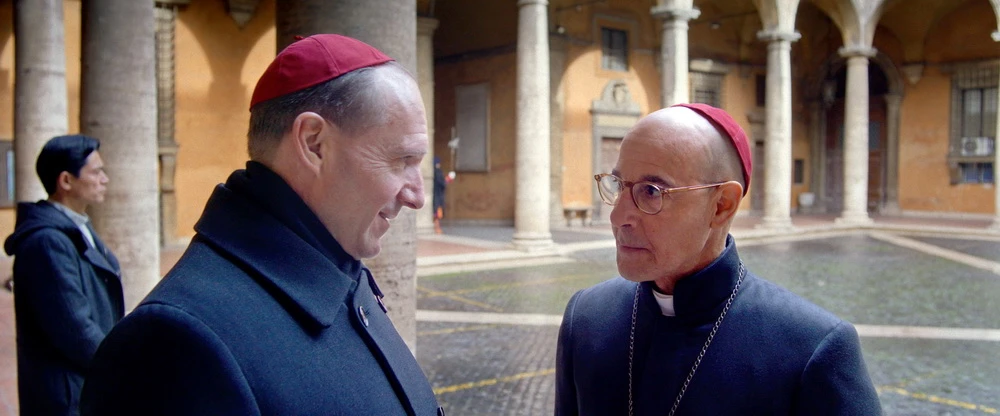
922	293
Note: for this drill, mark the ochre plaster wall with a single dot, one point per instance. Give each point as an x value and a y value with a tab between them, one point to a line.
924	137
488	195
218	64
584	80
924	181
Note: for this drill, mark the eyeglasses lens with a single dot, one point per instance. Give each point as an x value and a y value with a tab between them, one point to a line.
648	197
610	189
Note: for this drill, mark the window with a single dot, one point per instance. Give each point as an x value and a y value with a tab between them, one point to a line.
973	172
799	172
614	49
7	172
761	90
706	87
973	123
472	106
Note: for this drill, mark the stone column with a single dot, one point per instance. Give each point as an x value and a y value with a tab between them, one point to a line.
118	106
996	163
166	16
674	87
892	102
425	78
855	211
531	207
390	26
778	150
39	88
816	157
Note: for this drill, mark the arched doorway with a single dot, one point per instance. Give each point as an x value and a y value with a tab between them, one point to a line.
884	90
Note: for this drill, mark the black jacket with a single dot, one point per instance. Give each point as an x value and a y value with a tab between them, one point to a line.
774	354
67	296
264	314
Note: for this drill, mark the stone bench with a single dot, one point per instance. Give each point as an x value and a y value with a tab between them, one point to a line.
577	211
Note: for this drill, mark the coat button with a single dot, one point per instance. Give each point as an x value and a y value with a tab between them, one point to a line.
364	316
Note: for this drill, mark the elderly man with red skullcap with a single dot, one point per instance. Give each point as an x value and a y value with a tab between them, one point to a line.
689	330
270	310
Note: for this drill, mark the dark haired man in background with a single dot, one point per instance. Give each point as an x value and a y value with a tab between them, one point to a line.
68	291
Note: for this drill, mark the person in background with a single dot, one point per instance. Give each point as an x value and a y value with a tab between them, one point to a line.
68	289
688	329
441	182
270	310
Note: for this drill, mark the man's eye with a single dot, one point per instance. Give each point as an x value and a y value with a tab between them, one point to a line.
648	190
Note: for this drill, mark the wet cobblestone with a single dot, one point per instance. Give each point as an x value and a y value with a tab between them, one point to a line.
491	369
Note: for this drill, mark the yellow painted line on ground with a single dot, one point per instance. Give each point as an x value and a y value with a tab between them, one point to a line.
513	285
492	381
937	399
435	293
456	330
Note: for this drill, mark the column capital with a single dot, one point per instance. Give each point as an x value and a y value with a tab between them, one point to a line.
995	36
426	26
857	51
777	35
674	13
522	3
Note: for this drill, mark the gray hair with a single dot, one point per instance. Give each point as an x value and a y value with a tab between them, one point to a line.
353	102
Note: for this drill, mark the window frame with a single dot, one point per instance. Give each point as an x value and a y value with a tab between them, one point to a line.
981	76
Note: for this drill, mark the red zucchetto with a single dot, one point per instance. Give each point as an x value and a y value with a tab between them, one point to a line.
311	61
735	133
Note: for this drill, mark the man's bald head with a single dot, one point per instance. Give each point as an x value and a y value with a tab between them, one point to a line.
710	147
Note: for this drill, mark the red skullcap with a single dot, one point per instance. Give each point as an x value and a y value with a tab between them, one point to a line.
311	61
735	133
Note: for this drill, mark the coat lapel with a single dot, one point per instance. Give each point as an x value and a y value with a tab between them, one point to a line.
99	256
398	362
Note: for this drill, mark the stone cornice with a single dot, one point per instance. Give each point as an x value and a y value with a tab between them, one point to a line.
673	13
774	35
857	50
521	3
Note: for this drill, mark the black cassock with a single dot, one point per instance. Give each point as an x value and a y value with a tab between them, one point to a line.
774	354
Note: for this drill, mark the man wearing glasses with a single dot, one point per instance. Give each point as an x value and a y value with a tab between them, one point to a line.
688	329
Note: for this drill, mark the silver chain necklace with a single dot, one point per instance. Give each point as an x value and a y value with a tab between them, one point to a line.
697	361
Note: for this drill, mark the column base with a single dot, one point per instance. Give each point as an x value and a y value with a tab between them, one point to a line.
996	224
533	242
776	223
891	208
854	219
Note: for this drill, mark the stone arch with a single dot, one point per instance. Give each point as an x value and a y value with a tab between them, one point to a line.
818	94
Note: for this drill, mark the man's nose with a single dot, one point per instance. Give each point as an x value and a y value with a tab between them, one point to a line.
624	212
412	194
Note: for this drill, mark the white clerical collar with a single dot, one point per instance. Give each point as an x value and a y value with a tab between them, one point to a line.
666	303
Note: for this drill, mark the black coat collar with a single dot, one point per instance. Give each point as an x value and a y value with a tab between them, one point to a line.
258	219
699	297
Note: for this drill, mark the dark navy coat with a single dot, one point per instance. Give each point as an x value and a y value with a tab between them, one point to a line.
774	354
67	296
264	314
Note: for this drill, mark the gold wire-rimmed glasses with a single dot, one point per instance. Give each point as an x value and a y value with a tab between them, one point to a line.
648	199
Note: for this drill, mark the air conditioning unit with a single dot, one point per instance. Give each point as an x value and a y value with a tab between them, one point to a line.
977	146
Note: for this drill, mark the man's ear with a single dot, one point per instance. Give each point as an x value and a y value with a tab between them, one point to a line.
727	203
309	134
64	181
